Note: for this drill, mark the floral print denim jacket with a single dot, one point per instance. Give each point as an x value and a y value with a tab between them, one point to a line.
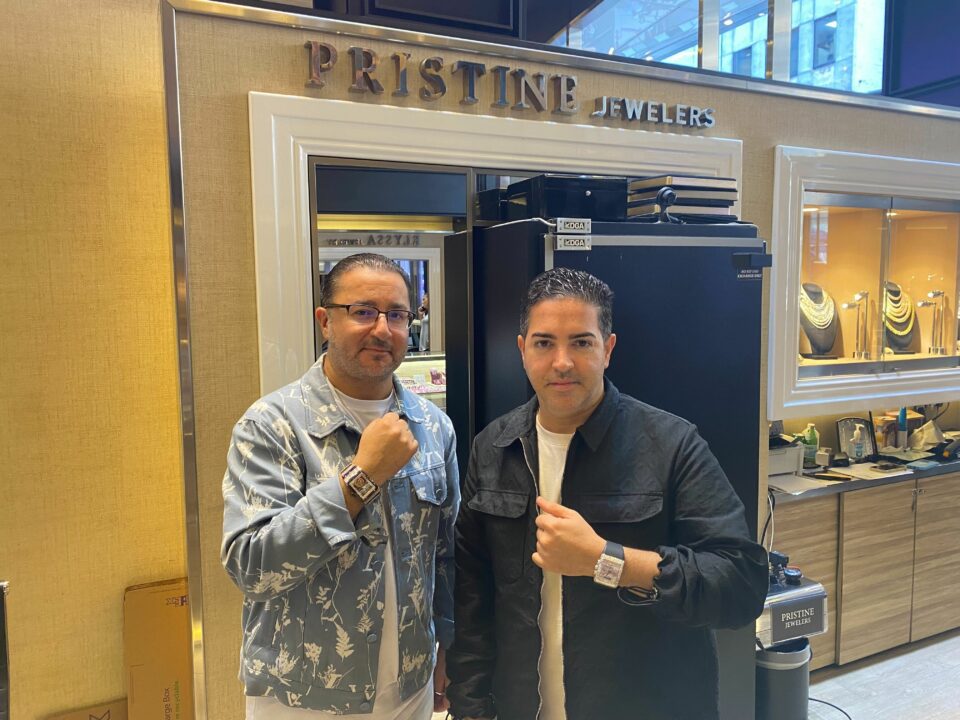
312	576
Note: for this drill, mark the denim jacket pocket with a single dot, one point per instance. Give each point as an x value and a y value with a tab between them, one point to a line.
430	485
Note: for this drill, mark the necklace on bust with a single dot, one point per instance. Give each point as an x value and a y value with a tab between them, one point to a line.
819	314
898	311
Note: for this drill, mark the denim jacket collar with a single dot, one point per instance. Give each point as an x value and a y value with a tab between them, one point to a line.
329	417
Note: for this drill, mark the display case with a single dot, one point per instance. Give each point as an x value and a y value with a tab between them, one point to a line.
878	283
865	282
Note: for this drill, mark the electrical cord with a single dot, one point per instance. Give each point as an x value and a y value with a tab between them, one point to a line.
768	524
813	699
940	414
838	709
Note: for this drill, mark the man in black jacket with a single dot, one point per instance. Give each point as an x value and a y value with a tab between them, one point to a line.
599	543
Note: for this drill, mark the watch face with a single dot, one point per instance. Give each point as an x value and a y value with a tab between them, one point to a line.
608	571
362	486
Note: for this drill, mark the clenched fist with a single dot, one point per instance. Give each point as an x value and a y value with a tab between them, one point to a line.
385	447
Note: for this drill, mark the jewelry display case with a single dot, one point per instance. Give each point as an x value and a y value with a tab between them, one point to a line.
865	282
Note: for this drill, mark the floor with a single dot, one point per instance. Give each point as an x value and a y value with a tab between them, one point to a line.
919	681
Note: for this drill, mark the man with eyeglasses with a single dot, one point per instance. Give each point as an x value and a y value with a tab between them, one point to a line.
340	497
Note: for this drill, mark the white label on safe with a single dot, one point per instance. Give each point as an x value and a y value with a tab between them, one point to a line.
573	242
573	225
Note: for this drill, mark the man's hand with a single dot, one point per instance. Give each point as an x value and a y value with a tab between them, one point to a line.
440	682
385	447
566	543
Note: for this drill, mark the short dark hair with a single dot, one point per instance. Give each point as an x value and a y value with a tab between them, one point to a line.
560	283
372	261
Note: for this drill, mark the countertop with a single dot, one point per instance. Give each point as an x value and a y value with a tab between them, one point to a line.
831	487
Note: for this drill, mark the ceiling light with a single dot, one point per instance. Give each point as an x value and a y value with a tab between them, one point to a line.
810	209
728	21
832	24
648	57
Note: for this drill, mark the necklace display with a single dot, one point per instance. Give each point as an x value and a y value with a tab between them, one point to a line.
821	314
898	311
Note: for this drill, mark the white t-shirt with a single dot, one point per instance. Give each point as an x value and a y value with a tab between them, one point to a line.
387	705
553	458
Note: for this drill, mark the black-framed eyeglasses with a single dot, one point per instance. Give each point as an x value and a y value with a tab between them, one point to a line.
368	315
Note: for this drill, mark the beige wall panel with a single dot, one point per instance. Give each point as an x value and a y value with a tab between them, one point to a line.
222	60
92	482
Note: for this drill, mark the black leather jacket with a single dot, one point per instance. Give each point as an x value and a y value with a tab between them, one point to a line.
643	478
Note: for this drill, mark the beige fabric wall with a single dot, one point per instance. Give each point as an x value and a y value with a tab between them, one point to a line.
91	481
222	60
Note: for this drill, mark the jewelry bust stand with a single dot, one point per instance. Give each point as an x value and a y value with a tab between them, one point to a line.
818	320
899	319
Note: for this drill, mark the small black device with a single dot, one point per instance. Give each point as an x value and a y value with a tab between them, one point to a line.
886	466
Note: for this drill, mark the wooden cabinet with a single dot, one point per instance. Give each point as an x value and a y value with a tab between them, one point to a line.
807	531
888	557
876	569
936	569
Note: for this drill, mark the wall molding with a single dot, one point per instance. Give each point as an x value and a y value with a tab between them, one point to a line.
285	131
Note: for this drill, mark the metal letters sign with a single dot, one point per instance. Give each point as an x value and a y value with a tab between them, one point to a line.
514	88
573	225
368	239
572	242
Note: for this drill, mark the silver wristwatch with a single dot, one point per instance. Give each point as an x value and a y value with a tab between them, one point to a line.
360	484
609	567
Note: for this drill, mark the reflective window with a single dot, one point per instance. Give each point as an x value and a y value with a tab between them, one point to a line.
835	44
743	38
838	44
664	31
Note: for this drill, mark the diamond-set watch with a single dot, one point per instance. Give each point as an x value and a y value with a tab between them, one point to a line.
360	484
609	567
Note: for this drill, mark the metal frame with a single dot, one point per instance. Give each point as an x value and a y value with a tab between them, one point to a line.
561	57
833	174
181	285
4	654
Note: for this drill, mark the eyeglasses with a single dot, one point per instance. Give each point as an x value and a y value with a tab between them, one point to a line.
368	315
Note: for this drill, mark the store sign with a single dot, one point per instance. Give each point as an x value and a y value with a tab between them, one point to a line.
371	240
803	617
513	87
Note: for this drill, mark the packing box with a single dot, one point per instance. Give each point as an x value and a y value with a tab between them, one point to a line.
116	710
157	651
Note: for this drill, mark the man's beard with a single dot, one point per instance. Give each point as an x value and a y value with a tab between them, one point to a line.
354	368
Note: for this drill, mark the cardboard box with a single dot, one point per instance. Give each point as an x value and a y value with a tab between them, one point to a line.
116	710
157	651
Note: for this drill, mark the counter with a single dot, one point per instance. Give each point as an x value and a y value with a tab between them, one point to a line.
831	487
